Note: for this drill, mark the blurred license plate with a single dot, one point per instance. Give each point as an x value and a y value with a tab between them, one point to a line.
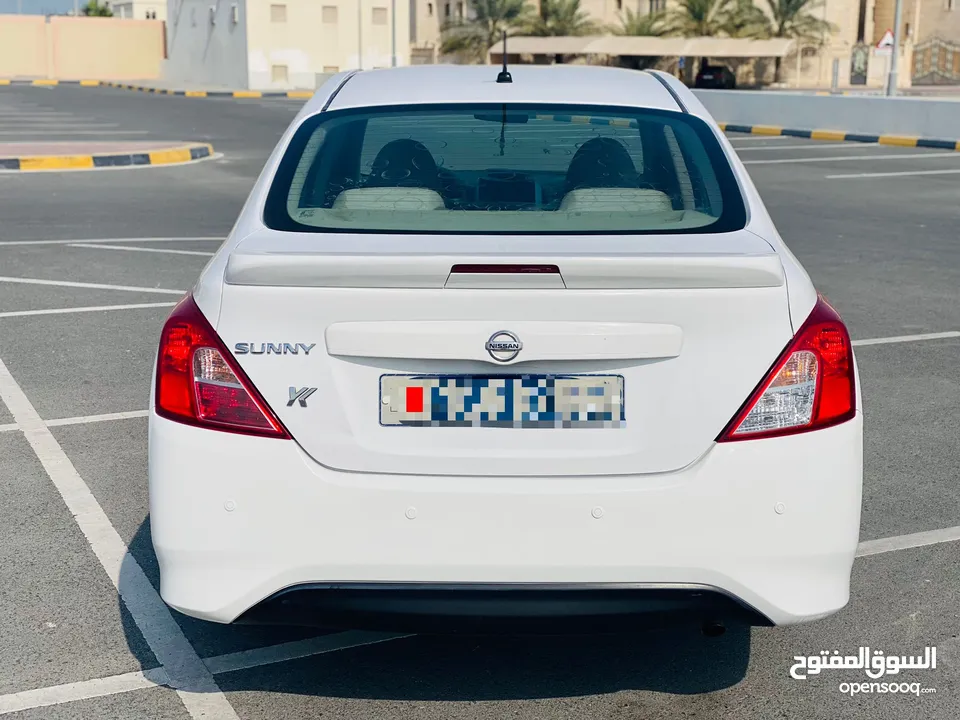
516	401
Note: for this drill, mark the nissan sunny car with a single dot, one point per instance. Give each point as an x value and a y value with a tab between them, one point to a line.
521	351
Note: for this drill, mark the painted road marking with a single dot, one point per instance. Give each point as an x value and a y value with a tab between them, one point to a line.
93	308
839	158
906	542
105	417
91	286
907	338
4	243
96	246
84	690
892	174
198	690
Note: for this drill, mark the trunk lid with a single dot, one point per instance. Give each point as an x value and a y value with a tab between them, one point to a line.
691	324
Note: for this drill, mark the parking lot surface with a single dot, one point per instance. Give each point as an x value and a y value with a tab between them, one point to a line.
90	264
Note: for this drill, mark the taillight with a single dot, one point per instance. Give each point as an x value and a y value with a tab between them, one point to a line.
198	383
810	386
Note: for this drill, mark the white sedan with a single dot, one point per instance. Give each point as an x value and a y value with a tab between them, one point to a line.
526	350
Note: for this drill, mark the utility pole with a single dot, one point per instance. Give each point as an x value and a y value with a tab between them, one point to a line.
895	51
360	34
393	33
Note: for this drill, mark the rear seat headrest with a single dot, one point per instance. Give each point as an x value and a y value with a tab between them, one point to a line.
389	198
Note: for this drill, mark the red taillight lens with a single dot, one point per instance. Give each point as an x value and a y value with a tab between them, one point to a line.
810	386
198	383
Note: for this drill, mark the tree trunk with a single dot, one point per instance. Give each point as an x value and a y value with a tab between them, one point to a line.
776	69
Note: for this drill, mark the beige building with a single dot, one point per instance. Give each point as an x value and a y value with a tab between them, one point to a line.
282	44
139	9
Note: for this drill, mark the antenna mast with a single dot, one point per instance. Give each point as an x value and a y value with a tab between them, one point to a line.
504	76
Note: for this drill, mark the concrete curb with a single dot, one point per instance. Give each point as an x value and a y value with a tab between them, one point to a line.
168	156
46	83
900	140
247	94
239	94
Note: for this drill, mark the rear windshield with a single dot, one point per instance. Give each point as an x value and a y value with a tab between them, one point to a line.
504	169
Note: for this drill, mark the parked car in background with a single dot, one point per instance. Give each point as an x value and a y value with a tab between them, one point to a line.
715	77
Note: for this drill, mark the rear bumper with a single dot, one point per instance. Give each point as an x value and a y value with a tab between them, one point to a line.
235	520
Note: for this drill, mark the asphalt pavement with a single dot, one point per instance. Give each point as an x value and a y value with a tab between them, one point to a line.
877	229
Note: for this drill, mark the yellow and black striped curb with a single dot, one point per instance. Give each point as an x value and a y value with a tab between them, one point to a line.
47	83
240	94
305	94
901	140
166	156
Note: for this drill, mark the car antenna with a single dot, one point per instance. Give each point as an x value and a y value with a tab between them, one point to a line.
504	76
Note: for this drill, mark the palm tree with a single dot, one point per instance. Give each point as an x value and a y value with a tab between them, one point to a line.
699	18
633	23
474	38
743	19
560	18
793	19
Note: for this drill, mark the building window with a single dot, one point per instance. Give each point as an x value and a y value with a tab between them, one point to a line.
446	9
279	74
460	10
951	4
278	13
619	4
379	16
328	15
657	6
429	9
151	14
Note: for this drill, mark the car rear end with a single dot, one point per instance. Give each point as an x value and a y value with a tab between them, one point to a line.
525	384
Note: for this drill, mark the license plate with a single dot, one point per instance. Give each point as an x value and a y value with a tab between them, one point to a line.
510	401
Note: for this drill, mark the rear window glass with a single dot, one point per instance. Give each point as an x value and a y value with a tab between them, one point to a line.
504	169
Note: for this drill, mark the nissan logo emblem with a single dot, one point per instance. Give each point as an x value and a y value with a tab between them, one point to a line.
504	346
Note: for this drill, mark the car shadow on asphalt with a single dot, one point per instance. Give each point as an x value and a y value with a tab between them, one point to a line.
676	660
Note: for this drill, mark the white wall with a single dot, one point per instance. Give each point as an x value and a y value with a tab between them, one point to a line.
205	53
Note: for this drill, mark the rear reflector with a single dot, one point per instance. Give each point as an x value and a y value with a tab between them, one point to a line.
198	383
810	386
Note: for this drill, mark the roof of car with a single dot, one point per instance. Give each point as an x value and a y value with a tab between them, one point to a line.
555	84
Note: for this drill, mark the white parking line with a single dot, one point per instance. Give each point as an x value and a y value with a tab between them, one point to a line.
905	542
737	137
195	685
813	146
97	246
92	308
91	286
839	158
246	659
105	417
907	338
6	243
84	690
10	427
29	133
892	174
